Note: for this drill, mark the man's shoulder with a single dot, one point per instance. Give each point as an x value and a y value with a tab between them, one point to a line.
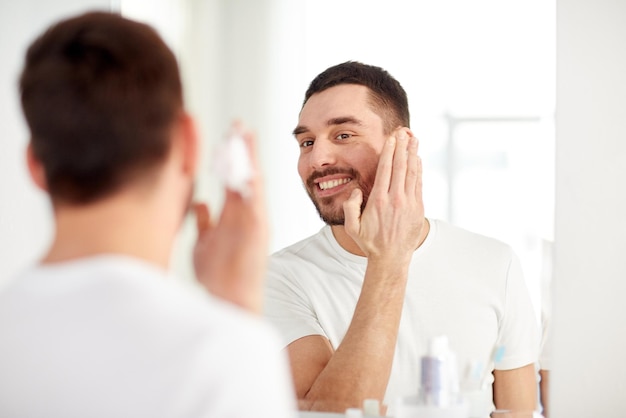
453	235
306	260
111	311
143	294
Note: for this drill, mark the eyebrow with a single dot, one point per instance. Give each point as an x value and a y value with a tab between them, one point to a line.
331	122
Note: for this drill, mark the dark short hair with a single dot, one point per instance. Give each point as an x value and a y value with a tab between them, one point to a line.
387	97
100	94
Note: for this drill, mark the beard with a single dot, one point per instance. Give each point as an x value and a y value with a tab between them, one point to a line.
326	207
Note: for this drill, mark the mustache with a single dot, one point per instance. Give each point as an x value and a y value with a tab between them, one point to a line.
328	172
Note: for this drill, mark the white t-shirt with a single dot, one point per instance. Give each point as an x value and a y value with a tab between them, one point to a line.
112	336
462	285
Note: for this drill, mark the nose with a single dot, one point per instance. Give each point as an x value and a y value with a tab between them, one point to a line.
322	154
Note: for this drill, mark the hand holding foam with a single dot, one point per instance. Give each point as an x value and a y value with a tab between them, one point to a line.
230	254
232	164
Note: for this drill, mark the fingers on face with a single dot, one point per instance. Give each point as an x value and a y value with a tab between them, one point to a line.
352	211
400	162
400	167
385	164
413	182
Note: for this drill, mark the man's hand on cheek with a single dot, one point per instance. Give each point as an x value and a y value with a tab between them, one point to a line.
392	222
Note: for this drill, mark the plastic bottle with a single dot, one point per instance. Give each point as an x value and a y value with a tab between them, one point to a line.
435	374
438	396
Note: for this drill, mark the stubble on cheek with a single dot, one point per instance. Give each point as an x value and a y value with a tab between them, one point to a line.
329	209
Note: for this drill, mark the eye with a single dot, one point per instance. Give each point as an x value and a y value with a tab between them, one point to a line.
306	143
342	137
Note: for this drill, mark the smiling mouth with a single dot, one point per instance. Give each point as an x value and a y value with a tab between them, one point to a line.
330	184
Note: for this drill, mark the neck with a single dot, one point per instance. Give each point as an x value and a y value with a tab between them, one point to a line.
125	224
348	244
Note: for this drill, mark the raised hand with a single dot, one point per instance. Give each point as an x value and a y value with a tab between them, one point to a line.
392	223
230	256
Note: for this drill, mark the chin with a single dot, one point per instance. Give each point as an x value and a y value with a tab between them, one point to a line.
331	217
329	209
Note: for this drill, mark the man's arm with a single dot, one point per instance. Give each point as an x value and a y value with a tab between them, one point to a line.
515	389
360	368
388	232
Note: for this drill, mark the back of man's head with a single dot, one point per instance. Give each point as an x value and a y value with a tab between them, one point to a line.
100	94
387	97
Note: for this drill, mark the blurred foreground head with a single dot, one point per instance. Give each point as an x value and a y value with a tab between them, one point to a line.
100	94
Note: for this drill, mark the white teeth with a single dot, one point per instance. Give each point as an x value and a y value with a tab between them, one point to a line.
332	183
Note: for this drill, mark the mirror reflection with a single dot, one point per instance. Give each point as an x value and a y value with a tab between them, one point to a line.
479	77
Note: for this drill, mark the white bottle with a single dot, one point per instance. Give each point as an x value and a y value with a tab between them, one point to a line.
438	396
436	375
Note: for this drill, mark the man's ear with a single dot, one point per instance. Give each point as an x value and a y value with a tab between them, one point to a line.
35	169
189	143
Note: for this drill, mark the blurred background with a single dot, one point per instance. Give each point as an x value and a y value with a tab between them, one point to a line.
483	86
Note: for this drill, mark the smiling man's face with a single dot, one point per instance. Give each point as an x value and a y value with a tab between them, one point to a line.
340	139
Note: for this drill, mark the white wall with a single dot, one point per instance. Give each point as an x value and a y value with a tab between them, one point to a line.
25	221
589	377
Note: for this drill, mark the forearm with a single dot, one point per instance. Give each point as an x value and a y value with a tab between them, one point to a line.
360	367
516	388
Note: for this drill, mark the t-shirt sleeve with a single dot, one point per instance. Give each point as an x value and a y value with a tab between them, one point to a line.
519	327
287	305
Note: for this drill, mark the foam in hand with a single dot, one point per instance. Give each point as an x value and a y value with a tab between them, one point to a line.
232	164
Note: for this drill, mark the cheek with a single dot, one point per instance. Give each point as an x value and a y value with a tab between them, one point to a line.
366	159
302	168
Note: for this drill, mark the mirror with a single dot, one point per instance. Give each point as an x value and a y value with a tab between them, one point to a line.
480	78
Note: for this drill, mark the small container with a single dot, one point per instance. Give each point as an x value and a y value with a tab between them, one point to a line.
354	413
371	407
439	395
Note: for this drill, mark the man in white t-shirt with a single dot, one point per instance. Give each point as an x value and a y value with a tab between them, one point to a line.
98	328
358	303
